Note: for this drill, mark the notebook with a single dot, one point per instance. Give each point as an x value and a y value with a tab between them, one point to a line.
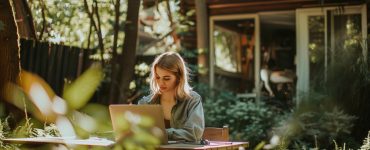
153	111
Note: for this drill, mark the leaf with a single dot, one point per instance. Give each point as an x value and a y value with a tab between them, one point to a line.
190	12
35	95
83	124
24	129
102	116
28	80
82	89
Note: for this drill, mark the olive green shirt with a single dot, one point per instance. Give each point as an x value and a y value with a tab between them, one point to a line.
187	117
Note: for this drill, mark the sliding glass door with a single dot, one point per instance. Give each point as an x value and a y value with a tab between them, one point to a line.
323	33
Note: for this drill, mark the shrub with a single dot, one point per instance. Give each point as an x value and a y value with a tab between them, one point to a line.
247	121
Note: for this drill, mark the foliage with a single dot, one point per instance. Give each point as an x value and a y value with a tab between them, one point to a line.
73	116
248	121
37	98
142	72
137	132
366	143
5	132
328	112
23	130
67	21
315	124
48	131
104	126
86	83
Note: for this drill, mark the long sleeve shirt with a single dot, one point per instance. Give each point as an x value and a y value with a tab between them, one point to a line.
187	117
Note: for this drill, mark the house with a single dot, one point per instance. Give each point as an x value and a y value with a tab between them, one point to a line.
299	35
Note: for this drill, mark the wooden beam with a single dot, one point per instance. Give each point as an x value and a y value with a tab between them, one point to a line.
254	9
221	7
257	3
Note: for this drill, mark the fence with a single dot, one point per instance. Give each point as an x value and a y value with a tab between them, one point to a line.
54	63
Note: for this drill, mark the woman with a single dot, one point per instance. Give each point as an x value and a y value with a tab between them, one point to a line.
182	107
269	74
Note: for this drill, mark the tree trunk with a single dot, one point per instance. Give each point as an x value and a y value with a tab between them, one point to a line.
9	49
23	15
114	66
127	59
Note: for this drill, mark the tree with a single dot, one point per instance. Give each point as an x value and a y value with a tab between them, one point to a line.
24	19
126	60
9	41
100	24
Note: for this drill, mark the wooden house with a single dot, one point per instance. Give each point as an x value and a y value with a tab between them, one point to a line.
302	36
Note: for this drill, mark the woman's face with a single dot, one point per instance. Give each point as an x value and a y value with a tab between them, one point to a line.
166	80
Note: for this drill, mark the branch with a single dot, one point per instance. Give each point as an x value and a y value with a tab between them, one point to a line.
116	27
89	36
173	26
43	7
100	37
90	14
156	41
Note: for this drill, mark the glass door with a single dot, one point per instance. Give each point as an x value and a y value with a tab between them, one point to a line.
323	33
234	53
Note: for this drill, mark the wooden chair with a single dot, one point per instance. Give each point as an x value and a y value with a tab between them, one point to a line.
216	134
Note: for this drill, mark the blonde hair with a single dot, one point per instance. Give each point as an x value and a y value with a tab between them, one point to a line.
173	62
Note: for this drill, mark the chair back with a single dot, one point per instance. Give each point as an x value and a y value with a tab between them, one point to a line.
216	134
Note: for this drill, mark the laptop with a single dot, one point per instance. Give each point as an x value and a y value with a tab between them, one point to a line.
153	111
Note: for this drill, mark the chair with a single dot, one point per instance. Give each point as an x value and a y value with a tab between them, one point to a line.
216	134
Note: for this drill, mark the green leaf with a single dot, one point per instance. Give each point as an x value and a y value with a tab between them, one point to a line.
190	12
81	133
102	117
82	89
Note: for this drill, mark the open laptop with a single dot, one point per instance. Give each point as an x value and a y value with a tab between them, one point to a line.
153	111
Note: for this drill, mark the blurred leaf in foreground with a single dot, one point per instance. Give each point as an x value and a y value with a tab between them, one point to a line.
21	99
35	96
137	132
78	93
